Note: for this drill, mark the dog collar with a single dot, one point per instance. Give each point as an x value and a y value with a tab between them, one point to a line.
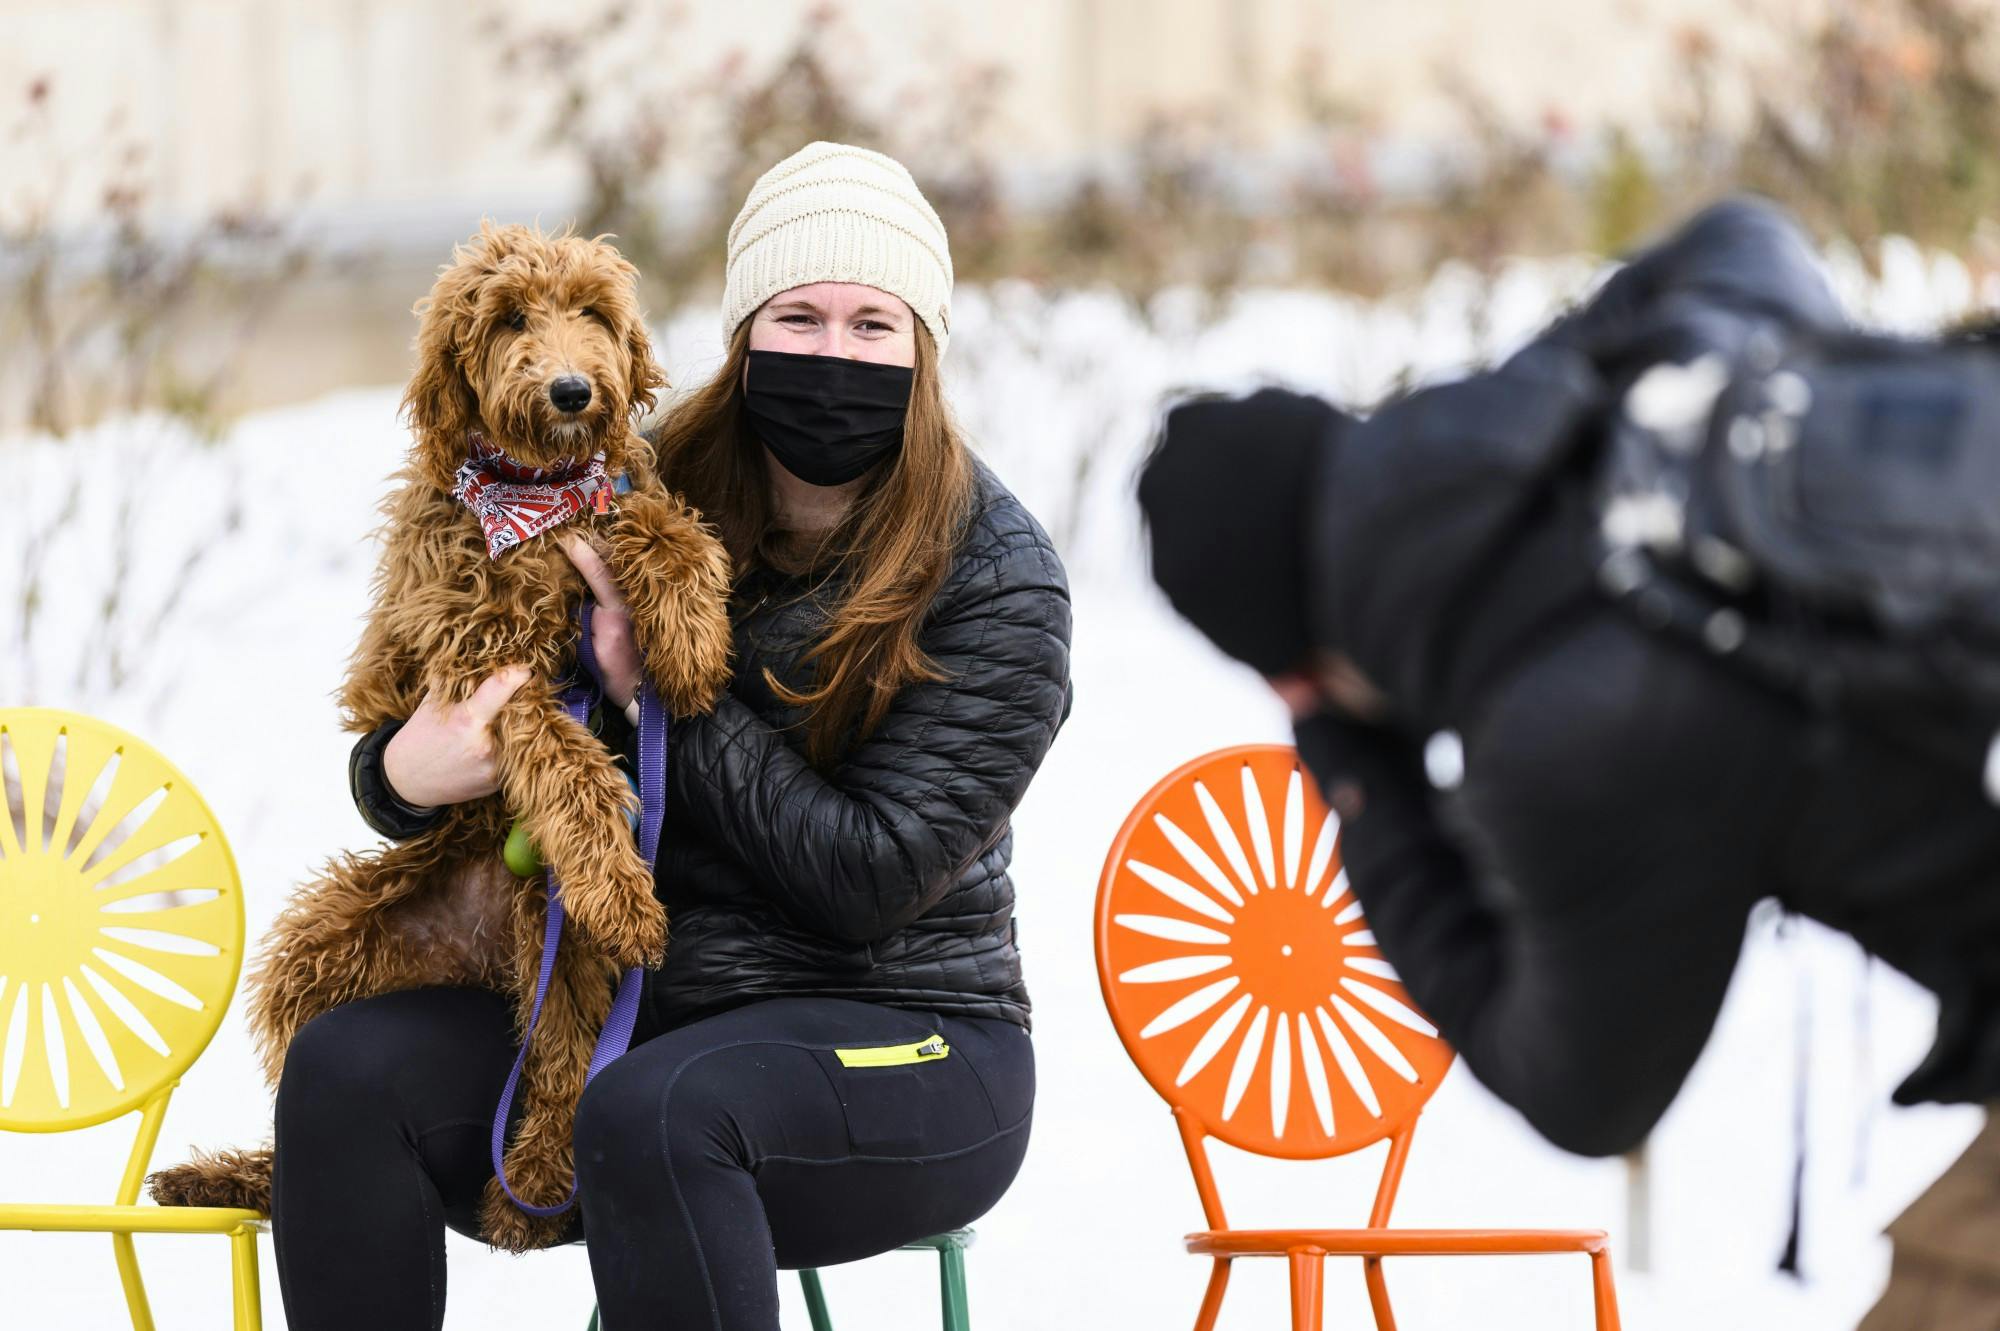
515	502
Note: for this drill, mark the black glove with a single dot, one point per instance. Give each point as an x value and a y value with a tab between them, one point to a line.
1364	766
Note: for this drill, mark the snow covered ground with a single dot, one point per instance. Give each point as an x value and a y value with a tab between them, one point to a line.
234	684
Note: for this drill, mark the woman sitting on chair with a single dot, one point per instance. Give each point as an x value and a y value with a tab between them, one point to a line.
834	860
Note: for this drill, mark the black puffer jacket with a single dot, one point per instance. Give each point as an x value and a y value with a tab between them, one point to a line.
886	879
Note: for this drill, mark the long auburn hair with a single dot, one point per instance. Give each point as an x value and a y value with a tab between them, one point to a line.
893	549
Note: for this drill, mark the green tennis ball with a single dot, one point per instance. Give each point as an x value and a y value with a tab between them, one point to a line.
522	859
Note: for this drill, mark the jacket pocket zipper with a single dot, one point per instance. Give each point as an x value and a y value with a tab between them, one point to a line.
895	1055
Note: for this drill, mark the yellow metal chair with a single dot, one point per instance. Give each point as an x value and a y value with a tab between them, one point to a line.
121	936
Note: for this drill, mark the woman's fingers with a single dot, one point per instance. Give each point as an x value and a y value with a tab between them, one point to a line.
595	571
618	660
493	693
445	754
611	628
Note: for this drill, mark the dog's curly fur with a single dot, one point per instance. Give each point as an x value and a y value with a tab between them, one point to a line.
511	312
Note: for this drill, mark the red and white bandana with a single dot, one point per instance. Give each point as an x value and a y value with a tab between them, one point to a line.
514	502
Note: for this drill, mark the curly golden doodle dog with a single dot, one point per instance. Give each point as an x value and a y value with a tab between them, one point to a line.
531	354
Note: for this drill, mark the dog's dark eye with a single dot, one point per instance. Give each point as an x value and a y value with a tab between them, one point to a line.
517	320
591	312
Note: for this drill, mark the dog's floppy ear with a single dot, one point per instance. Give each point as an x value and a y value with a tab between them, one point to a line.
647	376
641	370
440	403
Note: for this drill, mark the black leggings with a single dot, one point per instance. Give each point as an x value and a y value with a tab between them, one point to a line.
708	1157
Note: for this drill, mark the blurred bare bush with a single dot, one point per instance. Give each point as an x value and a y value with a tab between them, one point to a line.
1882	121
124	312
668	151
138	323
1878	120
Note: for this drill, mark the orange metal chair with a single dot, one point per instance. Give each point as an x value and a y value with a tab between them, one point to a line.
1246	986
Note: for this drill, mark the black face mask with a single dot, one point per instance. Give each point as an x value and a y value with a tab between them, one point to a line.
827	419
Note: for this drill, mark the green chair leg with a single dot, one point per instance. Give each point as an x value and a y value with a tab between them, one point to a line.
815	1300
950	1246
593	1321
951	1278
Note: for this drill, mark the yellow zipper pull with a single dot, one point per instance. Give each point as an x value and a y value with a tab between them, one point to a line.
895	1055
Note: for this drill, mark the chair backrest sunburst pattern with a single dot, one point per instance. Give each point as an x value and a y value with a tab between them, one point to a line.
1239	972
121	922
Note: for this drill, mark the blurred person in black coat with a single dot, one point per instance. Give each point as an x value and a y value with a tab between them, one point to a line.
1570	913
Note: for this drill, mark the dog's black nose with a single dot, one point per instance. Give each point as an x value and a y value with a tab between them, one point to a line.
571	393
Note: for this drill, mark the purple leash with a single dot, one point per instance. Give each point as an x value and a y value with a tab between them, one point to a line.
616	1037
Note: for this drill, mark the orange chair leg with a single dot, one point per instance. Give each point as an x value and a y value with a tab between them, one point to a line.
1211	1302
1378	1293
1307	1263
1603	1296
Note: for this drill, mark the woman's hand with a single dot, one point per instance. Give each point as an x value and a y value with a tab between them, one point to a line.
444	754
610	623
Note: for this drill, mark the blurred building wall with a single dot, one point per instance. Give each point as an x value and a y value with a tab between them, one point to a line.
386	111
388	127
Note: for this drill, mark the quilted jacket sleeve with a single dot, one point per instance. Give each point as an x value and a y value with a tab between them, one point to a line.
861	852
374	798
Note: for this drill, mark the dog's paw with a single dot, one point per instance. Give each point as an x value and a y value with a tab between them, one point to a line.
691	679
676	576
618	912
239	1180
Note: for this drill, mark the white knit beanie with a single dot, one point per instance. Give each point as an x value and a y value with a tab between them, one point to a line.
834	213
